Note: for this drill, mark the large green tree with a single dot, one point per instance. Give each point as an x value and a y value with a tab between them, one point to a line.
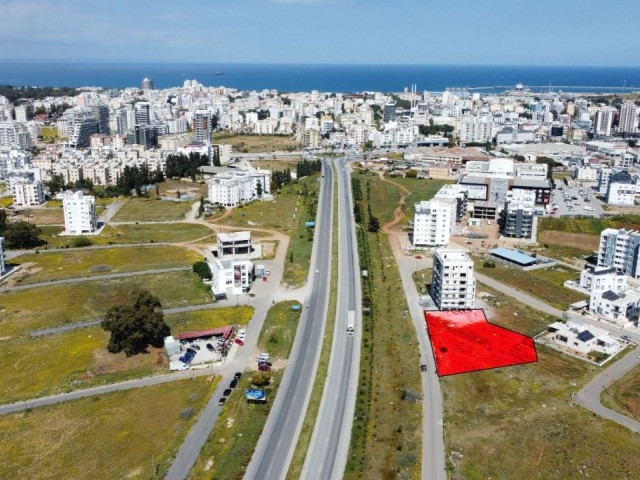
136	325
21	235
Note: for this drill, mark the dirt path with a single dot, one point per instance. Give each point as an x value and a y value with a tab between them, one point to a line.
398	215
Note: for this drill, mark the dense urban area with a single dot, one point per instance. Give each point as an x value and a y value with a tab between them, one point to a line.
317	285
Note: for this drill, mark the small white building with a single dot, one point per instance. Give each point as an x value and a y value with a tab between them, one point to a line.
231	277
79	213
620	308
600	279
453	286
432	223
583	338
27	193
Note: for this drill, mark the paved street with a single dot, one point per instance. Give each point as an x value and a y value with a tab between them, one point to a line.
276	444
327	454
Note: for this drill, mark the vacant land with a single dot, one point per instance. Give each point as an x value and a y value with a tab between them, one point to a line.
581	243
279	330
624	395
257	143
113	436
158	232
23	311
421	189
383	443
204	319
152	210
230	445
46	266
274	162
42	216
588	225
170	188
546	283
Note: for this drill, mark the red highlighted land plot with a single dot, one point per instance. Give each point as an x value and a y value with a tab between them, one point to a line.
464	341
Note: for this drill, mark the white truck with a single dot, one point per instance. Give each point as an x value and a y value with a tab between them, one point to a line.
351	323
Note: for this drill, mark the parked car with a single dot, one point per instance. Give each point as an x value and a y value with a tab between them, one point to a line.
227	392
222	401
233	383
237	375
196	346
423	367
264	367
210	347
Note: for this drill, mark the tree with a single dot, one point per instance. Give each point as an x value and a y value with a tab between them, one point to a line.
201	207
21	235
136	325
3	218
374	224
261	379
55	184
203	270
550	164
259	190
367	146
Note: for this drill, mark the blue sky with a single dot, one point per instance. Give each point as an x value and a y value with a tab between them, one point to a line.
494	32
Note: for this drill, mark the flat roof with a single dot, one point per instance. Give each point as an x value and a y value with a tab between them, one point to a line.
513	256
213	332
234	236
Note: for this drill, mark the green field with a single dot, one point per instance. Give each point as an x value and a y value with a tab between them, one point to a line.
111	436
230	445
27	310
152	210
421	189
545	283
623	396
257	143
588	225
213	318
279	330
48	266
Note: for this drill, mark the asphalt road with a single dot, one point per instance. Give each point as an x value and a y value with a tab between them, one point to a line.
276	444
327	454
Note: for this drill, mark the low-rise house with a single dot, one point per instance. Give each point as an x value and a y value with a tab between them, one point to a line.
231	277
583	338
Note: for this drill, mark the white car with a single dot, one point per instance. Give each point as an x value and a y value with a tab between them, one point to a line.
317	270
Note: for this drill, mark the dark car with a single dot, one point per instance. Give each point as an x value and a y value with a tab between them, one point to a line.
197	347
191	350
237	375
210	347
233	383
264	367
227	392
423	367
222	401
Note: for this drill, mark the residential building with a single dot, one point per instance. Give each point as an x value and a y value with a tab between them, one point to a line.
583	338
628	118
231	277
458	194
600	279
519	214
619	249
147	83
202	123
389	112
234	243
27	193
453	286
620	308
603	120
231	189
621	189
604	175
432	223
79	213
311	138
15	135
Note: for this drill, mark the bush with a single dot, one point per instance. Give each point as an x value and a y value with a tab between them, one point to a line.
81	241
203	270
489	264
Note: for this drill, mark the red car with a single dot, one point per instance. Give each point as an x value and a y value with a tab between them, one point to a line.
418	257
264	367
239	342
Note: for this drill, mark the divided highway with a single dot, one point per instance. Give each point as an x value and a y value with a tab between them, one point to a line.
327	455
276	445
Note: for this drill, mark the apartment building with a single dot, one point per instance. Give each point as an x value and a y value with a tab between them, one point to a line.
231	277
518	215
603	121
457	194
621	189
27	193
432	223
453	286
601	279
15	135
231	189
79	213
628	118
620	249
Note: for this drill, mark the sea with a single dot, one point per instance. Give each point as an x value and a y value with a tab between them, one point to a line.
322	77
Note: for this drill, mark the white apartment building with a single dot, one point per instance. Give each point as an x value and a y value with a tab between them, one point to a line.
600	279
27	193
620	308
79	213
453	286
585	174
231	189
628	118
621	194
231	277
15	135
620	249
603	120
432	223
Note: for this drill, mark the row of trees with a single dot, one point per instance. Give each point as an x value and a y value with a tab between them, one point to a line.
182	166
280	178
136	177
306	168
435	129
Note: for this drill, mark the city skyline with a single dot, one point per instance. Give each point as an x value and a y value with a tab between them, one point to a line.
322	32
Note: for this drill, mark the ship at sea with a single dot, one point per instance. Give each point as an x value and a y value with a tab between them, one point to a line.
221	73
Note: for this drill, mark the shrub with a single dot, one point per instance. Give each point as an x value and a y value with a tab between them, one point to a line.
203	270
81	241
489	264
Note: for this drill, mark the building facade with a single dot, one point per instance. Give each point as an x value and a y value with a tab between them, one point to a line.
518	215
453	286
619	249
231	277
79	213
28	193
432	223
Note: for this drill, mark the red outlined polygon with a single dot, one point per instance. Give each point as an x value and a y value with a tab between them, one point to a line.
464	341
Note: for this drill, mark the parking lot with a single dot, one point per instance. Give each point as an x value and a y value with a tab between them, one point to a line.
576	200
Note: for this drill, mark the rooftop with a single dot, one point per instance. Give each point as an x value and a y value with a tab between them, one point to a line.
513	256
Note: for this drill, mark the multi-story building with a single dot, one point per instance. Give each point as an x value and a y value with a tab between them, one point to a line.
628	118
234	243
621	189
456	193
432	223
600	279
143	113
27	193
79	213
78	124
453	286
604	175
142	134
603	120
231	277
389	112
518	215
619	249
202	126
231	189
147	83
15	135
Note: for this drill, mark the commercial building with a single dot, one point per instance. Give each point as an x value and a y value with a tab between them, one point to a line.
453	286
231	277
432	223
518	215
621	189
79	213
619	249
147	83
27	193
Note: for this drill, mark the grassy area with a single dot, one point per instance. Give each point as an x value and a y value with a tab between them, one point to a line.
383	443
277	163
279	330
170	188
623	396
47	266
214	318
304	439
6	202
87	438
257	143
566	246
421	189
520	422
49	134
546	283
230	445
26	310
589	225
151	210
281	214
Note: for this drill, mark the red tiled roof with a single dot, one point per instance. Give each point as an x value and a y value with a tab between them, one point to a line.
213	332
